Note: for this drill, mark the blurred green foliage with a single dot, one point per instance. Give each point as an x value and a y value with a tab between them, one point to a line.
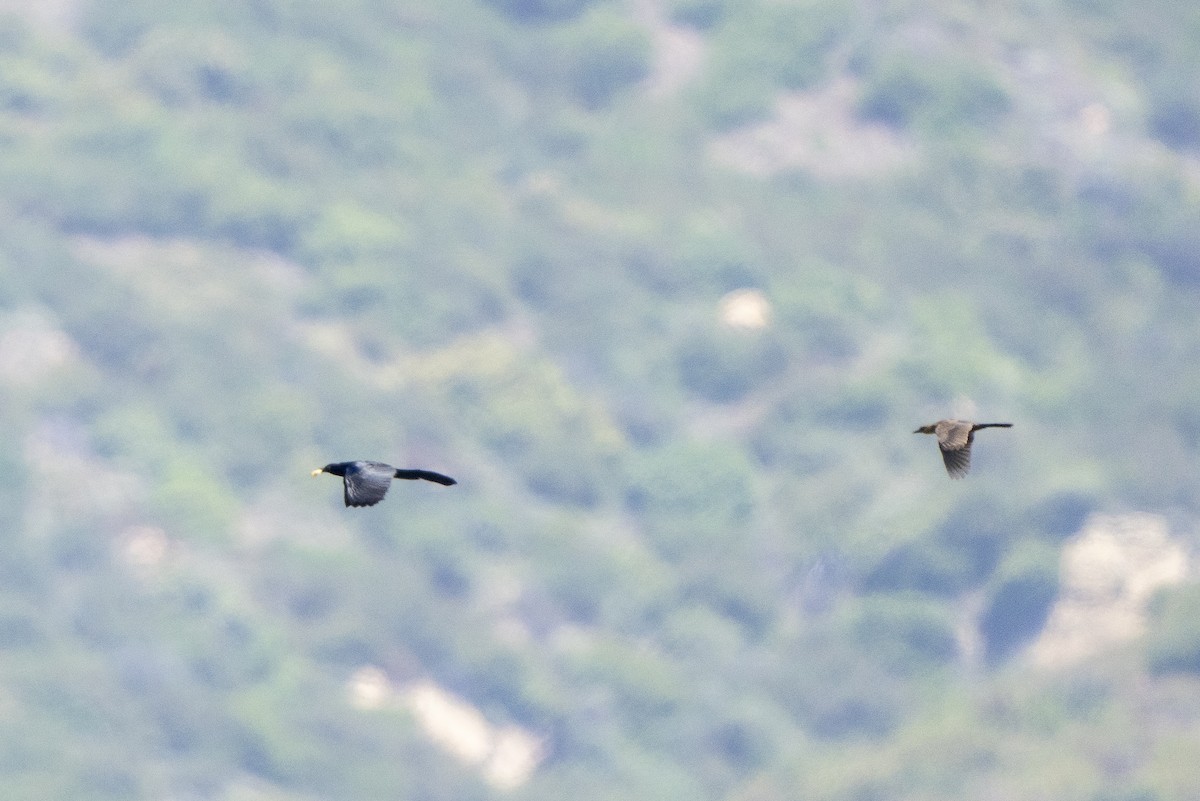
909	89
765	47
697	559
1174	645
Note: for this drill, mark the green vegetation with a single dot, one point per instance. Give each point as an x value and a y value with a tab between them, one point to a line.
697	559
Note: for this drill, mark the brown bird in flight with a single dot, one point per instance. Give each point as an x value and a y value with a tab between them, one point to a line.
954	440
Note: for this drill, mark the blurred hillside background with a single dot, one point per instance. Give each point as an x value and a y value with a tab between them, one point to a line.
667	285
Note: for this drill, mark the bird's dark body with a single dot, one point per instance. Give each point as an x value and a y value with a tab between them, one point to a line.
364	483
954	440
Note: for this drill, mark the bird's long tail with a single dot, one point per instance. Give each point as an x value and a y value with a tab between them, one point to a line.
978	426
428	475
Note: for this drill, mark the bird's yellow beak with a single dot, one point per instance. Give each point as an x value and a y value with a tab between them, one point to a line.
318	471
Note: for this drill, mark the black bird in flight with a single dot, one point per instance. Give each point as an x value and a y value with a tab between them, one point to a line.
954	439
365	483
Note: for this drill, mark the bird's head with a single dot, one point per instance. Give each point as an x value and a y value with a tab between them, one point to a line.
329	468
924	430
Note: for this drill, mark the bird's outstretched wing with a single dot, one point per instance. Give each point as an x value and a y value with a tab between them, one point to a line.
954	440
365	484
958	460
